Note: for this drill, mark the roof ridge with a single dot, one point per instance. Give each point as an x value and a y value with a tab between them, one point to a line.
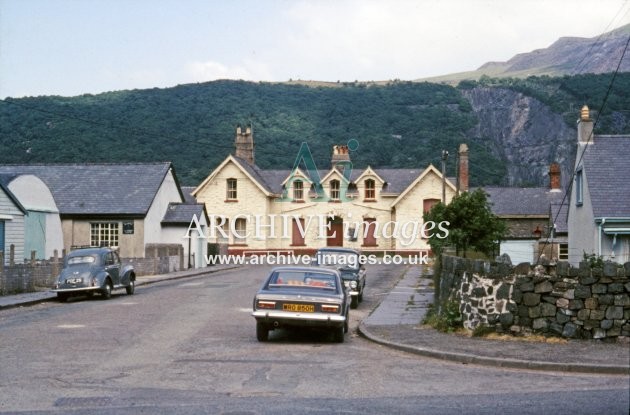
143	163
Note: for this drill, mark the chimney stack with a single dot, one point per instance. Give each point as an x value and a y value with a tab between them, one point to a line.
244	144
585	126
462	178
340	154
554	177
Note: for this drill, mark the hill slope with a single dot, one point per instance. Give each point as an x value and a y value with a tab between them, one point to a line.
566	56
514	128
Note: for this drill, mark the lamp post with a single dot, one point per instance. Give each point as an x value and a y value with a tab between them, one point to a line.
444	158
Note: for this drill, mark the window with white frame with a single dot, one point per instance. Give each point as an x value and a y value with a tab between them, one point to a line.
563	252
370	189
579	188
335	186
240	236
231	189
104	234
298	190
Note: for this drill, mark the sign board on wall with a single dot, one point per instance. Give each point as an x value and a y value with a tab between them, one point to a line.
127	228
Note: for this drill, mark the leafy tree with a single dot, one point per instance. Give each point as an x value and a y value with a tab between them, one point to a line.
471	224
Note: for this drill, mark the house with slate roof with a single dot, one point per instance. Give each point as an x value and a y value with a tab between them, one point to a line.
301	209
119	205
35	233
599	205
528	215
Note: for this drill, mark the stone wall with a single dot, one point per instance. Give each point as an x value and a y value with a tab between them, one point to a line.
27	277
553	299
154	266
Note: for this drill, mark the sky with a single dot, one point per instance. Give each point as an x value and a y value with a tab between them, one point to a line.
74	47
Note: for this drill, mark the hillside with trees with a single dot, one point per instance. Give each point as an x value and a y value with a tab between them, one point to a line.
399	124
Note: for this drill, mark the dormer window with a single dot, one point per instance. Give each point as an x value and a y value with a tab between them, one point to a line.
231	189
370	189
298	190
335	187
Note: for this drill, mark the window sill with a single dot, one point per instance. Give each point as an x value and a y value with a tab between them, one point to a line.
230	201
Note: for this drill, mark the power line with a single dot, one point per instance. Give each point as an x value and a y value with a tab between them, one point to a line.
590	136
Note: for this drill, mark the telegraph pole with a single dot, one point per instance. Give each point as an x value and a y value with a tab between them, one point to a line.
444	158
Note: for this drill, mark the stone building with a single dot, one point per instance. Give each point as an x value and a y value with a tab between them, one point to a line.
529	213
303	208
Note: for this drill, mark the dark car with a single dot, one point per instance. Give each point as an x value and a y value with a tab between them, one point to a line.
89	270
347	262
302	297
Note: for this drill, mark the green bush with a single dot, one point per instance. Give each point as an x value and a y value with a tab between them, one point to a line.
448	320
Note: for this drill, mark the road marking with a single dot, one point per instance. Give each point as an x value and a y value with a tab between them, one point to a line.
190	284
70	326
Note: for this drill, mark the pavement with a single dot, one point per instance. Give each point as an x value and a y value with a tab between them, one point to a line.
26	299
397	322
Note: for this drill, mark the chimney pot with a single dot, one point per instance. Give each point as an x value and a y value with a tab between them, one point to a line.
585	126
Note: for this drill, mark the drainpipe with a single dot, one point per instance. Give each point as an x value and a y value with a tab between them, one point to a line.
599	241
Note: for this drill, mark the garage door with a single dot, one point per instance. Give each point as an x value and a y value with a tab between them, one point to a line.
519	251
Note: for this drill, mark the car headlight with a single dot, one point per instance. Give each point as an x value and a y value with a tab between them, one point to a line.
353	284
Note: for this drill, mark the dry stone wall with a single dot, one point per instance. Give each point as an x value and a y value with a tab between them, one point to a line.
554	299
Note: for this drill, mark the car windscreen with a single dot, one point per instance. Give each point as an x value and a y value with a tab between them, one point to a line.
82	260
301	279
338	259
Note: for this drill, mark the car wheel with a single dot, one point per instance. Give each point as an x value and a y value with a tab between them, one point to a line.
346	325
107	291
131	288
361	296
262	332
62	297
338	335
355	302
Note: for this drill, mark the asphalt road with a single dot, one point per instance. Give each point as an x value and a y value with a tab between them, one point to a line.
189	346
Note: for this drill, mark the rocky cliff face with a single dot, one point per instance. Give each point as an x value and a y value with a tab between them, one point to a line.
524	133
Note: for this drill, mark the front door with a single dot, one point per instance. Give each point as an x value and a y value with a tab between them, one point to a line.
335	232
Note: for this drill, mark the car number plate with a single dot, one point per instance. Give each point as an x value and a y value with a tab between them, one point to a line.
305	308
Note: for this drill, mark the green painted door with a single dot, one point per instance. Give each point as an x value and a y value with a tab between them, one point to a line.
35	235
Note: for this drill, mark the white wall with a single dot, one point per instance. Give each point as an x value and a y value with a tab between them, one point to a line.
168	193
13	227
583	232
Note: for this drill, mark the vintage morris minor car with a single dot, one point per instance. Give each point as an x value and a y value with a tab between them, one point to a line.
89	270
302	297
